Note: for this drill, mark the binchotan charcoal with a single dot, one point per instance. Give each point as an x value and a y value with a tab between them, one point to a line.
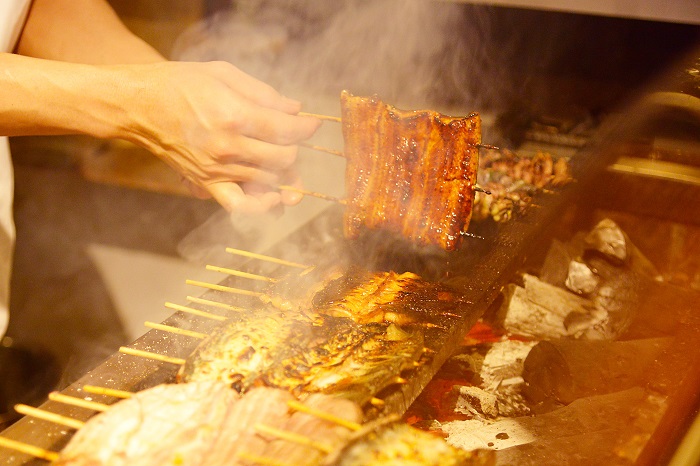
581	279
555	268
474	401
566	370
543	311
608	240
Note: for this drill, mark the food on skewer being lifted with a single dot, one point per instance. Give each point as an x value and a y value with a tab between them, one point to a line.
411	173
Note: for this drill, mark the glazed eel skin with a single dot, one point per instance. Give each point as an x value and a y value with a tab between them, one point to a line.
410	173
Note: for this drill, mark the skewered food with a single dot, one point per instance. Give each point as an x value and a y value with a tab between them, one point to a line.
403	299
512	180
205	423
357	333
411	173
330	355
394	443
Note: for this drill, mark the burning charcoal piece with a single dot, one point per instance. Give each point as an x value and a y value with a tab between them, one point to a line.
474	401
581	279
539	310
566	370
608	239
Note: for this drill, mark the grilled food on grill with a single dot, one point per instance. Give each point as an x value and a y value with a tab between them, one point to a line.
204	423
394	443
512	180
331	355
357	333
411	173
402	299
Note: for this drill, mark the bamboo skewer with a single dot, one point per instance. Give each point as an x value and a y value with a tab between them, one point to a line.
149	355
293	437
321	117
22	447
378	402
194	311
325	197
176	330
238	273
107	391
223	288
209	302
322	149
262	257
301	407
79	402
49	416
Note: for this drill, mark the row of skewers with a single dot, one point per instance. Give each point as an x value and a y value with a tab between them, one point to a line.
342	340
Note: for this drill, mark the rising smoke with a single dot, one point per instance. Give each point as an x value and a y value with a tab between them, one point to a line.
406	51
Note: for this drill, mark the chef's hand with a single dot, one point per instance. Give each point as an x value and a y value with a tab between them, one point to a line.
229	135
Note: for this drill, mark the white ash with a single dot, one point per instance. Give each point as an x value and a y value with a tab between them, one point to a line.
475	401
539	310
498	367
581	279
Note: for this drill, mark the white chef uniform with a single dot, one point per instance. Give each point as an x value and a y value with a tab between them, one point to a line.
12	16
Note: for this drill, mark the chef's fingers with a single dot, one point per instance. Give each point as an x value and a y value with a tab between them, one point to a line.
273	126
253	151
291	178
234	199
255	90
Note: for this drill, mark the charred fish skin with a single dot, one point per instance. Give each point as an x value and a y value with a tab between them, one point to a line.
356	362
410	173
238	351
390	297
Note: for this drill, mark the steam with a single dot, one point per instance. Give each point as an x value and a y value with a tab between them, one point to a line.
393	48
411	53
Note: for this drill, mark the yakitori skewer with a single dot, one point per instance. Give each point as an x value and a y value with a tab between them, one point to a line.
275	260
238	273
32	450
293	437
322	117
226	289
193	311
149	355
49	416
175	330
325	197
79	402
322	149
301	407
107	391
209	302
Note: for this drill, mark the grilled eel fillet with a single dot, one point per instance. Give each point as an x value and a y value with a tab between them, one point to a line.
411	173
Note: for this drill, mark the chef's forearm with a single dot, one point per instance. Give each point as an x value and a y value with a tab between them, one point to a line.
45	97
81	31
